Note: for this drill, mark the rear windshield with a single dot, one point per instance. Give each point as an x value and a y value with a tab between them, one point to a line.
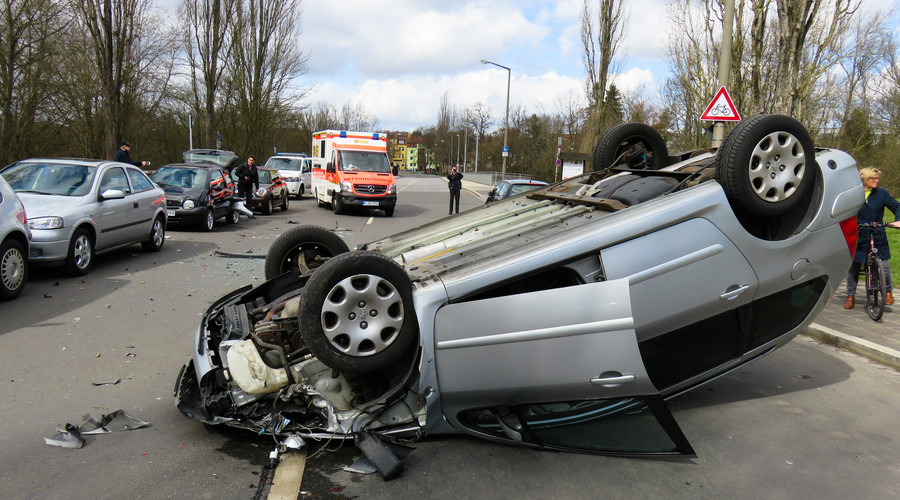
363	161
50	178
218	158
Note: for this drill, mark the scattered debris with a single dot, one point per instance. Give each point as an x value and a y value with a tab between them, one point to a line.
117	421
240	255
107	383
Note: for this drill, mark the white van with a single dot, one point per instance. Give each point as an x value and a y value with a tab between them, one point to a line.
295	169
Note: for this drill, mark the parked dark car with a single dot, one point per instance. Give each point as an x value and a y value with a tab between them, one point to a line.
81	208
217	157
197	195
561	319
511	187
273	192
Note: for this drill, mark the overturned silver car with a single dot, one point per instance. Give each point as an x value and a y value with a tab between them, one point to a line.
561	318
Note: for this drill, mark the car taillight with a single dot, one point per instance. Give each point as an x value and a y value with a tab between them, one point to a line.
21	217
851	234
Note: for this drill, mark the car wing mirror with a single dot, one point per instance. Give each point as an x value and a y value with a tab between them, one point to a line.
329	167
112	194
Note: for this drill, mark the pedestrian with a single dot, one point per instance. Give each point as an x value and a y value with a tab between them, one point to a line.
877	199
247	177
455	185
123	155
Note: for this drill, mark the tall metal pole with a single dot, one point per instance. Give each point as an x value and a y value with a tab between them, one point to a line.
476	153
457	150
465	149
506	120
724	65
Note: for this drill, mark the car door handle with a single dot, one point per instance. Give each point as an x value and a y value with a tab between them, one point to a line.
609	381
734	291
135	204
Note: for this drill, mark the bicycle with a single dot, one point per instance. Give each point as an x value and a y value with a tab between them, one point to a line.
874	269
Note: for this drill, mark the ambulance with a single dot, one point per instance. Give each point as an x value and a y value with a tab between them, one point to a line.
351	169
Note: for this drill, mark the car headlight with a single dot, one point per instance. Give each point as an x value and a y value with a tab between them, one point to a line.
291	179
261	192
346	186
392	189
45	223
188	204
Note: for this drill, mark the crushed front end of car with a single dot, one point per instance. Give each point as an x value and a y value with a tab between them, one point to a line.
250	369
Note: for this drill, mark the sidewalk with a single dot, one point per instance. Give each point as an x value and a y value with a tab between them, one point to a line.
855	331
851	330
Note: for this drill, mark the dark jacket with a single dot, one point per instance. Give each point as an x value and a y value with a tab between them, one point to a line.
244	171
455	183
124	157
873	211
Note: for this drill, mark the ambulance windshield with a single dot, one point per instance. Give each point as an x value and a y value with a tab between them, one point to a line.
363	161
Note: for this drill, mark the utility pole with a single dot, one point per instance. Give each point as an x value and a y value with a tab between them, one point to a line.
724	65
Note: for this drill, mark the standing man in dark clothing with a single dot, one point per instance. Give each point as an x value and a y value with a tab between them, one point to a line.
247	177
124	155
455	185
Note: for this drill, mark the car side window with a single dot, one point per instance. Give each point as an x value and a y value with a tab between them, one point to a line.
114	178
307	167
139	181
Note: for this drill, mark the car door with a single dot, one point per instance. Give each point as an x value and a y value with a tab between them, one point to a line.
144	199
220	192
113	216
555	369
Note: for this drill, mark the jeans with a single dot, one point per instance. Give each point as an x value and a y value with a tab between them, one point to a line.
853	277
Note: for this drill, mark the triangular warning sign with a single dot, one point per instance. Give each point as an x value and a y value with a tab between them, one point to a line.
721	108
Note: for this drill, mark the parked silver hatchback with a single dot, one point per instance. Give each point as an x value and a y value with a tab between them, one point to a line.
14	237
81	208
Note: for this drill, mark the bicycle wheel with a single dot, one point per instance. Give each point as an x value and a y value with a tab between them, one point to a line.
874	287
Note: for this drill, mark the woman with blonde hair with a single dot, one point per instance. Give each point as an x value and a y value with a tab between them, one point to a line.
877	199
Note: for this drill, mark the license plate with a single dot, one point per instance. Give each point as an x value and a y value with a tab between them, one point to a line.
370	203
170	213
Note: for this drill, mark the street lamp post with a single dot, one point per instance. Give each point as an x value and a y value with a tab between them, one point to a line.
457	150
505	121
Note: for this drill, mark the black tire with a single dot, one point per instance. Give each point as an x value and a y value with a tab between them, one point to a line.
13	269
157	238
302	249
356	312
300	192
81	253
208	221
635	145
284	204
767	164
232	217
268	208
389	212
336	204
875	287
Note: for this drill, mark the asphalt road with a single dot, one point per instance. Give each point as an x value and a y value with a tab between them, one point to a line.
807	421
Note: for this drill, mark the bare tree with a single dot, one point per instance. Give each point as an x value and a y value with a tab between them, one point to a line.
266	62
570	107
600	40
112	30
29	42
355	116
479	117
207	47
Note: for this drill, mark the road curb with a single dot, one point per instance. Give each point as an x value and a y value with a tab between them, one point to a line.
877	353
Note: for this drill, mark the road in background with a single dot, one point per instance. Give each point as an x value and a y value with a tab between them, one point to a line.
806	421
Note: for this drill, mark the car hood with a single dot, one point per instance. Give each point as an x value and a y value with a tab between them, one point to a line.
180	193
44	205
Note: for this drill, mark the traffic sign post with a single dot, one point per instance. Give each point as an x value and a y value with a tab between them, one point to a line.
721	108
